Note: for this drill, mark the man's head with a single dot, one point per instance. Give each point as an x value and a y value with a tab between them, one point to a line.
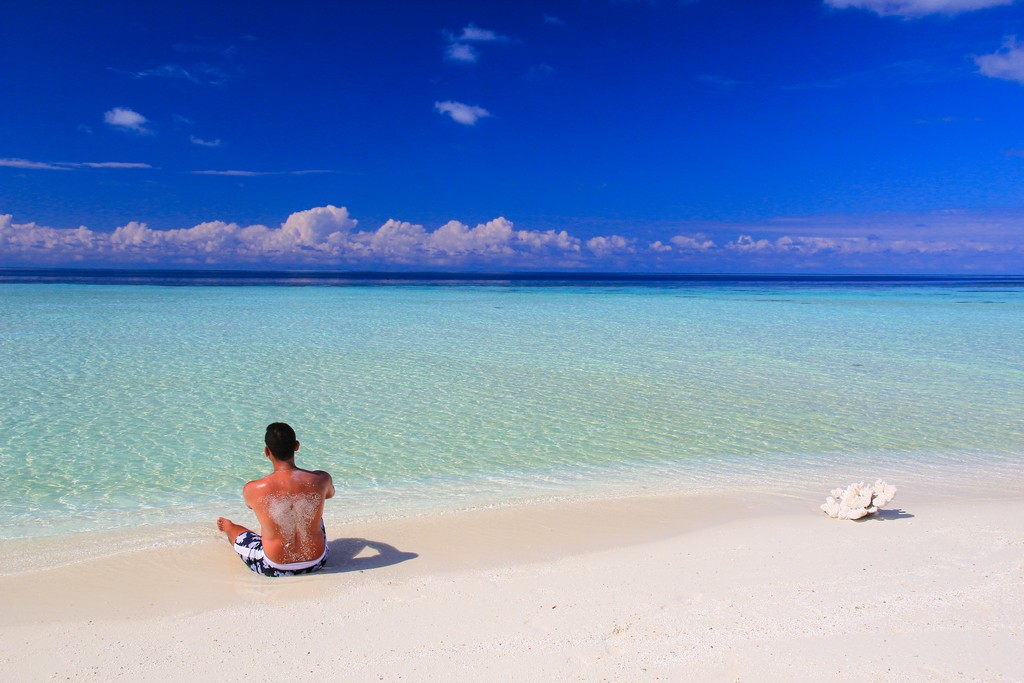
281	441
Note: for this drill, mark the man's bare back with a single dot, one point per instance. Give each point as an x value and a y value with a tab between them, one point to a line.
289	504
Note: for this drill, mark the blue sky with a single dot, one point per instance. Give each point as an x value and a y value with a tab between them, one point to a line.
841	136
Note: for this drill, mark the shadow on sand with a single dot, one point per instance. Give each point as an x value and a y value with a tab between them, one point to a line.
344	551
886	515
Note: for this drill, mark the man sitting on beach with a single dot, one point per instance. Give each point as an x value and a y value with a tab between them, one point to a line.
289	504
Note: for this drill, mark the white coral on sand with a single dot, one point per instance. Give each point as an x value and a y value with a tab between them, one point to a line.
858	500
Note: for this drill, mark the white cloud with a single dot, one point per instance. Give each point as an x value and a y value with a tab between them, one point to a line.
808	246
553	20
126	119
328	236
107	164
747	243
461	52
1007	63
457	238
315	231
455	242
395	241
321	236
459	48
69	165
949	225
465	114
692	242
549	239
917	8
248	174
167	71
475	34
204	143
200	73
613	244
232	173
34	165
317	227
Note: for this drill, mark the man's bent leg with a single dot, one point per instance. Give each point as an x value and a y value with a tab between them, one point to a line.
248	544
232	530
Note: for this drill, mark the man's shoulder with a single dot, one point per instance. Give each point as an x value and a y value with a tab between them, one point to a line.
256	486
258	483
323	481
319	474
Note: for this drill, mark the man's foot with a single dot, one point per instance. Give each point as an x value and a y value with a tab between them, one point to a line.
232	530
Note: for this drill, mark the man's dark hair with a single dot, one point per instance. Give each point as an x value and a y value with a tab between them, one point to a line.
280	440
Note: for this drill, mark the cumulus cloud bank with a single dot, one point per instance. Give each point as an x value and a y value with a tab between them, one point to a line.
917	8
328	237
321	236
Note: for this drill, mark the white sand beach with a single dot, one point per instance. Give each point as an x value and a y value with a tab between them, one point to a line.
723	587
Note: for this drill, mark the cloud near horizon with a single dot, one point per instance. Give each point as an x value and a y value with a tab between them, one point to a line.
854	245
328	237
321	236
911	9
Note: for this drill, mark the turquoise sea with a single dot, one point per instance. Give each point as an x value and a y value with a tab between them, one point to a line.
137	399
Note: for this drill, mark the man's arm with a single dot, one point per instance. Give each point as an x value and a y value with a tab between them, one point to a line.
249	493
329	487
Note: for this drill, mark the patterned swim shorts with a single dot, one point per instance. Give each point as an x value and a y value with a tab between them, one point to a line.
249	547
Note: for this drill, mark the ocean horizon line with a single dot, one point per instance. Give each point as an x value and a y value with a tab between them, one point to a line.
238	276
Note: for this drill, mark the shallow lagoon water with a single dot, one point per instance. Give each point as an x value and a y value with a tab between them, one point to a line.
128	405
